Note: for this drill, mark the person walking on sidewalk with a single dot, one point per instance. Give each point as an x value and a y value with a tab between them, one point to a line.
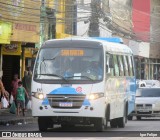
14	85
26	80
20	98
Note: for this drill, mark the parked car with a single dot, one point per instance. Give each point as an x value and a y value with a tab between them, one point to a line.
152	83
147	103
141	83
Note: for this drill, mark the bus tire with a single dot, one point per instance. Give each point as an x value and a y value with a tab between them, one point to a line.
67	125
42	124
122	120
126	113
107	116
99	125
114	123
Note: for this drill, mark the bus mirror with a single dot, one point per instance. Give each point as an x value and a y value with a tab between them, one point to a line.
111	63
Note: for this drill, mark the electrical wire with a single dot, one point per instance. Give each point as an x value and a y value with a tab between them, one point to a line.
81	12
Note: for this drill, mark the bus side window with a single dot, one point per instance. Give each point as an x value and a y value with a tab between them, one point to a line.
130	66
125	66
132	60
120	62
110	64
107	63
116	65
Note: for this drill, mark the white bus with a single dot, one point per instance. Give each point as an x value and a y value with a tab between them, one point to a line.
83	81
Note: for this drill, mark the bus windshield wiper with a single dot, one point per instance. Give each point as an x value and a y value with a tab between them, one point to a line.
79	76
54	75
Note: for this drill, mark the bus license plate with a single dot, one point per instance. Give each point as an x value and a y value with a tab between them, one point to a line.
65	104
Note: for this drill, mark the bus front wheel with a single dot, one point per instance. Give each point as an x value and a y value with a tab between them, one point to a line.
114	123
122	120
99	125
43	124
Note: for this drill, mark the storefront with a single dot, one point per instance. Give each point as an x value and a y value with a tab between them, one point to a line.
147	68
11	62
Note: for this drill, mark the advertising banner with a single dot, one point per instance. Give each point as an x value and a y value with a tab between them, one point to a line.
5	32
11	49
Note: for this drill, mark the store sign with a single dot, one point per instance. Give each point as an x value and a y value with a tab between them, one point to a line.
11	49
25	27
29	52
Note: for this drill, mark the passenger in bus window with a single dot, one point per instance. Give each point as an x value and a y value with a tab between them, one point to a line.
97	70
67	68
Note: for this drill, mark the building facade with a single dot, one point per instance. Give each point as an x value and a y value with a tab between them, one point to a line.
19	32
146	28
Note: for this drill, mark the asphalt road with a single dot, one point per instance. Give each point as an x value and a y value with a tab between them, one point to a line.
146	127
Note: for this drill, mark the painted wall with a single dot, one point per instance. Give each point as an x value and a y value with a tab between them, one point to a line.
140	48
141	19
120	11
5	32
25	19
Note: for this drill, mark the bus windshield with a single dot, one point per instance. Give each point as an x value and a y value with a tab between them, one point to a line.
69	64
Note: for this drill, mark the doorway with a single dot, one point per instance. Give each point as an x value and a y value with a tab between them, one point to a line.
10	66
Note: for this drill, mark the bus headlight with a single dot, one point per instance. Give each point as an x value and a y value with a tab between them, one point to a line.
94	96
39	95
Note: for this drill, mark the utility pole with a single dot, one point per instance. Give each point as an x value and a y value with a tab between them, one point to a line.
94	19
42	22
71	17
51	25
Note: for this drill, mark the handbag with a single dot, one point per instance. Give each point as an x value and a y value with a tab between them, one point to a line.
11	99
5	103
29	106
13	108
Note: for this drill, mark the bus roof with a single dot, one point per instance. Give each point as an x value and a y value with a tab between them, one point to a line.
109	46
110	39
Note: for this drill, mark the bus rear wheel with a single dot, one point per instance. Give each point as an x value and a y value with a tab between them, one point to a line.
121	122
114	123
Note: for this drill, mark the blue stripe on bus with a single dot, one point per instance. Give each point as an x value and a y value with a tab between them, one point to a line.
110	39
45	102
65	90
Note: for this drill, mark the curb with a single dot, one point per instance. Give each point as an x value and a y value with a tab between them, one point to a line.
19	121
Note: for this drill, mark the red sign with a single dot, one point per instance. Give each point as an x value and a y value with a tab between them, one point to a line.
141	19
79	89
25	27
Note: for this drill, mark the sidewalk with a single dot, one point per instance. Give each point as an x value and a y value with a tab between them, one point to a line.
6	118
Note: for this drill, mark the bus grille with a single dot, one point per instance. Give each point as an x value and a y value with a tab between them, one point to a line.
66	100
